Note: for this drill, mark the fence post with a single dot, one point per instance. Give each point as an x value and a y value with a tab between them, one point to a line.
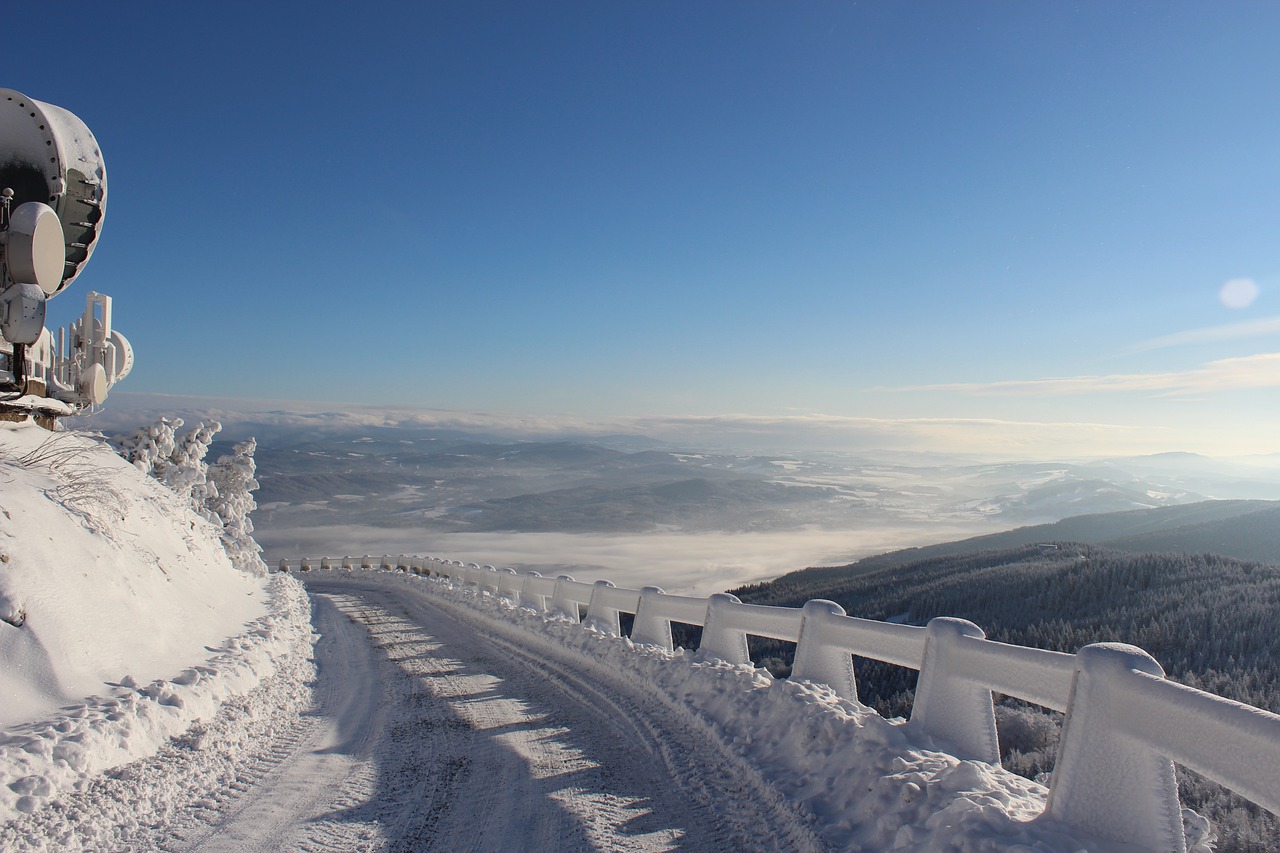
502	585
816	660
284	565
561	606
1104	780
719	641
948	707
528	600
600	617
650	627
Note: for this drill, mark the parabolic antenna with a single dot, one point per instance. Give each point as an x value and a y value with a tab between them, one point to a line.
47	155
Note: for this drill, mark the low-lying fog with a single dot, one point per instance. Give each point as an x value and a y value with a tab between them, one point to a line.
694	563
637	512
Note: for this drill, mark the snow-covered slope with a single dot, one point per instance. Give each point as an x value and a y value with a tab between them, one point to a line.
123	620
107	573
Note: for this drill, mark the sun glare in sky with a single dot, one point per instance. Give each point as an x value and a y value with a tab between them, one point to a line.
981	226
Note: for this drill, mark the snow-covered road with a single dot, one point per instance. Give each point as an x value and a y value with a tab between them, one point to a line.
297	782
429	734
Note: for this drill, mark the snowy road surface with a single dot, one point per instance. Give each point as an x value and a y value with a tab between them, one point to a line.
431	735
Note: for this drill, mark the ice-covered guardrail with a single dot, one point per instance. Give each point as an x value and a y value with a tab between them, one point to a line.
1125	728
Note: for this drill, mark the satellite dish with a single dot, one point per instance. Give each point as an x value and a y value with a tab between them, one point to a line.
93	384
49	156
123	356
33	248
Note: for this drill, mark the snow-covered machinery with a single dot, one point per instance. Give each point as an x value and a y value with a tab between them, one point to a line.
53	195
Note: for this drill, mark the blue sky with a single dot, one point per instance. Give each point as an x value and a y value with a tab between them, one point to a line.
891	213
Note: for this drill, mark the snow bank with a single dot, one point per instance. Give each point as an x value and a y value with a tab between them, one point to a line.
41	761
865	784
117	604
104	574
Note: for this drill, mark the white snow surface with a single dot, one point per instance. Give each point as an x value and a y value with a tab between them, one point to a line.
851	779
157	699
110	576
124	622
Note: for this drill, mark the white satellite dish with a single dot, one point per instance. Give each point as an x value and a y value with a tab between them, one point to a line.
47	155
53	195
34	251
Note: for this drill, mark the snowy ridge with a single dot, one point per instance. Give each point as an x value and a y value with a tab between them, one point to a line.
1125	726
43	760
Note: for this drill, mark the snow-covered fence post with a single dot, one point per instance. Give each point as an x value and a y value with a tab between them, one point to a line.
949	706
366	562
817	660
651	627
506	585
306	565
600	616
489	579
284	565
526	598
719	639
563	607
1104	780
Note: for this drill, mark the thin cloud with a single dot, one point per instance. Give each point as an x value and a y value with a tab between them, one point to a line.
1211	334
1228	374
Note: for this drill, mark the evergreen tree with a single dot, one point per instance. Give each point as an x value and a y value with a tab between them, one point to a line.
221	493
232	483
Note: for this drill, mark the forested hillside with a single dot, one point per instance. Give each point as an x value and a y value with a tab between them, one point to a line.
1209	620
1244	529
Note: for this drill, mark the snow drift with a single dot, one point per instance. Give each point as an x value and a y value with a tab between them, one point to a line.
124	622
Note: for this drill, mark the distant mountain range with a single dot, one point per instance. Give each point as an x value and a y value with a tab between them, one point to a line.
443	481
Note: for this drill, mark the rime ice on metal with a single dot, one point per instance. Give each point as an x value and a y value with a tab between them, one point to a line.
53	197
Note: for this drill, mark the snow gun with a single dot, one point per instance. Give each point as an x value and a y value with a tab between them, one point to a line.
53	195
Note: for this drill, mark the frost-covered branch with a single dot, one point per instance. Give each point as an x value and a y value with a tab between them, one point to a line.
220	493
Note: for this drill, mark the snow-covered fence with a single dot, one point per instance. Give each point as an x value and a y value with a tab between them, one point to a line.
1125	728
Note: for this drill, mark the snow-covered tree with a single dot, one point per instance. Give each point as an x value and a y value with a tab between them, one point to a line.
220	493
232	481
150	447
187	473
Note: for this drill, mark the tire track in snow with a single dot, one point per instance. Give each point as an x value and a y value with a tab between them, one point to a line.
700	764
295	780
438	729
511	771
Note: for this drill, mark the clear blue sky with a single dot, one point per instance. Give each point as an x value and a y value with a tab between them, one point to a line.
879	210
